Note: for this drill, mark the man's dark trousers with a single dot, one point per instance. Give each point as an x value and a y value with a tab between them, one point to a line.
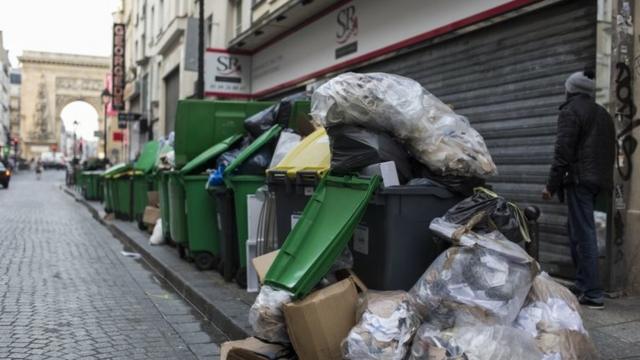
584	244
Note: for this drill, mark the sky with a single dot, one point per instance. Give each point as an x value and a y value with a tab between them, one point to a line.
66	26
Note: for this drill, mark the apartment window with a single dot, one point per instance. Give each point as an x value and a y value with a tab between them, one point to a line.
209	32
238	17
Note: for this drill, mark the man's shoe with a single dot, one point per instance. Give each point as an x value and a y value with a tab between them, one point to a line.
591	304
574	290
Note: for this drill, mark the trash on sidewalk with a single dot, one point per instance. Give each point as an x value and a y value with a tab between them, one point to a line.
266	315
387	323
150	216
387	172
156	237
431	131
132	255
500	214
262	264
254	349
318	323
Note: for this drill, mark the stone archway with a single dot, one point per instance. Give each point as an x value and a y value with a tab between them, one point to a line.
50	81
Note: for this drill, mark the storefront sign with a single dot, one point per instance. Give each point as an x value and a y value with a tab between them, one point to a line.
118	136
227	74
360	30
118	67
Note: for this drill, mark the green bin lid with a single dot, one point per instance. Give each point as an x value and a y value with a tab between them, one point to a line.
147	160
115	169
209	154
321	234
251	149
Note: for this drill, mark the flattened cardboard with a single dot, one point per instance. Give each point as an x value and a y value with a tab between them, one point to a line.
153	198
151	215
248	349
262	264
318	323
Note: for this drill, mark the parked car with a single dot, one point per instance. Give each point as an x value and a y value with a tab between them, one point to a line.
5	175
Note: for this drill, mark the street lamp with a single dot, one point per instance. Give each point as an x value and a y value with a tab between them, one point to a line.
105	97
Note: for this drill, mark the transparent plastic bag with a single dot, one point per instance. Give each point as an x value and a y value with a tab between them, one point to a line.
552	316
431	343
496	343
266	316
286	142
431	131
387	323
485	281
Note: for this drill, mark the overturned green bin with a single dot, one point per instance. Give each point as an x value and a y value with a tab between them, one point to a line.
321	234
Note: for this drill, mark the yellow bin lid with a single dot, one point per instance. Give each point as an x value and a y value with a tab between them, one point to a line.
311	155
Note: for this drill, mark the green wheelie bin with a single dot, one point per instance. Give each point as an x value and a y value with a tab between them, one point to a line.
232	203
201	124
177	212
122	195
143	180
92	185
202	233
109	185
163	193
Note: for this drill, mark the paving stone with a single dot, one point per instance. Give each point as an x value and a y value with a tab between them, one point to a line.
66	292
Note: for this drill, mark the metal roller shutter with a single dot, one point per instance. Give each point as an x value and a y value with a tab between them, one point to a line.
508	79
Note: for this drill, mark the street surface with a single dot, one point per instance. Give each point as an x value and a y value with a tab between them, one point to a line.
67	292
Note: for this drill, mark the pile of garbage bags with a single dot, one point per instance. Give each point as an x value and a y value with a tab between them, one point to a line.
430	131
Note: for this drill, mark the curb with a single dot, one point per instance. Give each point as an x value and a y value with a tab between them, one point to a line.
182	286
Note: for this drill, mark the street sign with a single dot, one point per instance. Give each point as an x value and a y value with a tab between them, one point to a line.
129	116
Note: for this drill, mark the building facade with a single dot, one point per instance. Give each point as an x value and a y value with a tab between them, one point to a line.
501	63
162	62
5	95
15	77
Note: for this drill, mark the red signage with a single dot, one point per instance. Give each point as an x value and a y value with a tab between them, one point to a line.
117	67
118	136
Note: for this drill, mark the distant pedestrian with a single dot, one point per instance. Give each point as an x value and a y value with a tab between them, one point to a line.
38	170
582	168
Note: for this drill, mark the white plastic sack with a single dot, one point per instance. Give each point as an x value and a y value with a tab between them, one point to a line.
266	316
385	328
286	143
431	343
431	131
484	281
496	343
156	237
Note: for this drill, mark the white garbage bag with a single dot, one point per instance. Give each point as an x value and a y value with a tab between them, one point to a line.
266	315
156	237
431	131
387	323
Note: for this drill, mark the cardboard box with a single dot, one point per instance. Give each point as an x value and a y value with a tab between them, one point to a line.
151	215
250	349
262	264
318	323
153	199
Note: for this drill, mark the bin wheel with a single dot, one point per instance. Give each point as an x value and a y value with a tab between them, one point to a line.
182	251
241	277
205	261
142	225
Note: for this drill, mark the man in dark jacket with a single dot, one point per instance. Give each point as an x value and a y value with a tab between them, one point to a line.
582	168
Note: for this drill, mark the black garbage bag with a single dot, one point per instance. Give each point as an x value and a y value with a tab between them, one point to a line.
502	215
284	115
462	185
228	156
354	147
259	123
257	163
